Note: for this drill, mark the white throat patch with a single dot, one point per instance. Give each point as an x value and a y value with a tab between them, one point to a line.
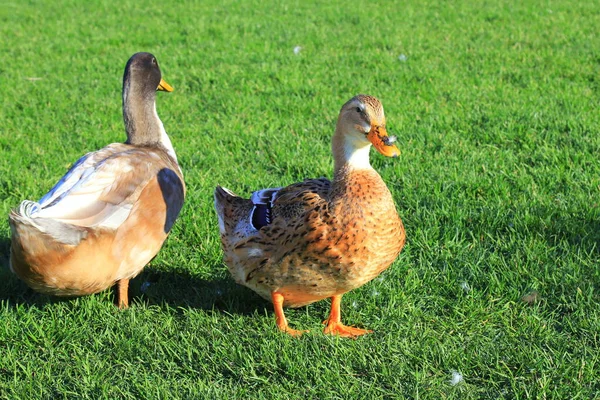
164	138
356	153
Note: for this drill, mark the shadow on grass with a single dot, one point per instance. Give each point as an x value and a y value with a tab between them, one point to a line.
182	289
4	252
12	289
578	231
177	289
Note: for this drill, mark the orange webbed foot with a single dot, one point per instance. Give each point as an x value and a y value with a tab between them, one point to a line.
334	323
337	328
292	332
280	320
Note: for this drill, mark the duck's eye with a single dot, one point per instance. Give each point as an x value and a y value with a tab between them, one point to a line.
154	61
358	110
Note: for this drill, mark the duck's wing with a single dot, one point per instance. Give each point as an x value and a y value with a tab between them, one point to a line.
295	201
298	221
275	211
100	189
262	207
286	202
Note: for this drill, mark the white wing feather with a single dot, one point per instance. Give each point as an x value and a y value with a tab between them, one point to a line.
80	197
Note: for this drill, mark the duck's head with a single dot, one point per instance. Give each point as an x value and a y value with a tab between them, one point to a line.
141	80
142	75
361	123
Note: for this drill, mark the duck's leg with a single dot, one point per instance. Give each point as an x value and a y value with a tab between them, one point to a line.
334	322
280	320
122	293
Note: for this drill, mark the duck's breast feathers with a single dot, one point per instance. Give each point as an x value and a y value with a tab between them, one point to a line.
102	187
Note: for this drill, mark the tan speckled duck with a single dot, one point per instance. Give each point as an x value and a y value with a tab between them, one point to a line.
318	238
110	214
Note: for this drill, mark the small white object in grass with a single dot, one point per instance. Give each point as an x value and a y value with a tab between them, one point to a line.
456	378
354	304
465	286
218	292
402	57
297	49
375	293
145	286
379	278
33	78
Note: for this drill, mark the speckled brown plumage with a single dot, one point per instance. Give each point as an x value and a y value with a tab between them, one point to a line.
326	237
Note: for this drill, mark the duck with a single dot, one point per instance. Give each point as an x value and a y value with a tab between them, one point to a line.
109	215
320	238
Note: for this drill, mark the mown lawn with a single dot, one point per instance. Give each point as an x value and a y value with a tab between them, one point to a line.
496	109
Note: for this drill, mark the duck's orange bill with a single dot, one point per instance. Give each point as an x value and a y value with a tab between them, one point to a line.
164	86
382	142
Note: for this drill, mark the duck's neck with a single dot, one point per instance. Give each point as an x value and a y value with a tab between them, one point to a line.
349	154
142	124
354	179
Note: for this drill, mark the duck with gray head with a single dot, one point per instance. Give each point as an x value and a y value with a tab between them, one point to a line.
111	212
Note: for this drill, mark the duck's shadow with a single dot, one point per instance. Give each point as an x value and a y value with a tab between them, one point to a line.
579	231
154	286
12	290
182	289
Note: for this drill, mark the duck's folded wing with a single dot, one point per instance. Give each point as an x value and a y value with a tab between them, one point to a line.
295	217
285	203
99	190
295	200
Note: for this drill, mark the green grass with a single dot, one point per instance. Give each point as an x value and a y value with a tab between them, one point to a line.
496	108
